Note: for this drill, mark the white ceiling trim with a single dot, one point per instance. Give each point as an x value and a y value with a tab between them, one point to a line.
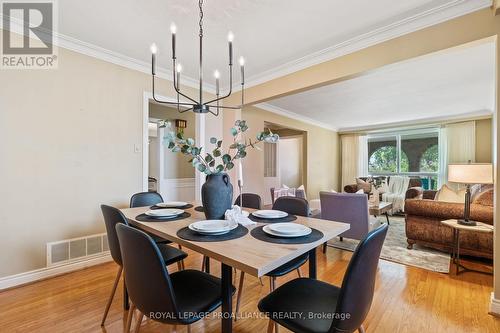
116	58
485	113
420	21
293	115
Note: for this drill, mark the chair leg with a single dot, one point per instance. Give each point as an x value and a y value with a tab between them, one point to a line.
110	300
324	247
238	297
270	326
125	295
341	239
272	286
139	322
179	265
361	329
299	272
129	318
260	280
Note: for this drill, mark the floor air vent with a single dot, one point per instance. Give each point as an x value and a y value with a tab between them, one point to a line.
77	249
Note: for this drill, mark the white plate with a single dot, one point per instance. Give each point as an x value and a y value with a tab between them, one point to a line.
289	228
172	204
267	230
213	227
164	212
270	214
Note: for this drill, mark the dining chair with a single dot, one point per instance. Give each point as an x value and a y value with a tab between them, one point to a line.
250	200
113	217
291	205
351	208
183	297
142	199
351	302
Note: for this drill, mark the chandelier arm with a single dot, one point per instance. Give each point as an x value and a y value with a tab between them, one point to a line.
226	107
177	90
167	102
230	87
182	111
215	114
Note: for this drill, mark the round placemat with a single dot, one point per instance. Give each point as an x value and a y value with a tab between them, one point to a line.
259	234
182	207
288	218
188	234
146	218
199	209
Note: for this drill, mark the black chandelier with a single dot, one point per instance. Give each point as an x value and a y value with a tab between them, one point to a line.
199	106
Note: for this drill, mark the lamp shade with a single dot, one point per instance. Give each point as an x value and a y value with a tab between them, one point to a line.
471	173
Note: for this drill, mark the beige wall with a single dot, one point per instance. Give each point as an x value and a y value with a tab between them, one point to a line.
67	141
322	153
176	164
484	141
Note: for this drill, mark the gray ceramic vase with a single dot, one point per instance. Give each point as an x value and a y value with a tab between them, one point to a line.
216	196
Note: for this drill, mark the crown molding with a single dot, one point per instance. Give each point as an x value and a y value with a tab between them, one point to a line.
474	115
448	11
94	51
293	115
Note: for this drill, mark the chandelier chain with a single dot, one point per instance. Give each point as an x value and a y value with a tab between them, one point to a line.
201	17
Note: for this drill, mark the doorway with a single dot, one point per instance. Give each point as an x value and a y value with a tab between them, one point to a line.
166	172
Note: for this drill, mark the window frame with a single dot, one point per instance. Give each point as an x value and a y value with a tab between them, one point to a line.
398	135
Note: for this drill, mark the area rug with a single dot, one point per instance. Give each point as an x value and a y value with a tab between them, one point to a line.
395	250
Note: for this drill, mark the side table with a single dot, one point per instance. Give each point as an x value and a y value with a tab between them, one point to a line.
480	227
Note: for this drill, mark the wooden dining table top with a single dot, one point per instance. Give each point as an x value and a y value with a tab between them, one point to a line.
246	253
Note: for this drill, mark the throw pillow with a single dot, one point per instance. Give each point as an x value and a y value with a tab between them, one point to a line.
362	185
303	189
447	194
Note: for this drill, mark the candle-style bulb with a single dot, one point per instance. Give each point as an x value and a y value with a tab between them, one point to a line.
173	28
217	74
242	61
230	37
154	48
179	68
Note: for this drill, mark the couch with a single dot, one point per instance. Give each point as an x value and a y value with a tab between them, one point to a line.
424	216
353	188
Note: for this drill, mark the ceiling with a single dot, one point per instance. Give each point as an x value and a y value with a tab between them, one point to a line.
274	36
456	83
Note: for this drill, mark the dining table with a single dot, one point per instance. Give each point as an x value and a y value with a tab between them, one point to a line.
247	253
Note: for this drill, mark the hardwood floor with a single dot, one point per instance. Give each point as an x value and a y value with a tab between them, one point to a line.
407	299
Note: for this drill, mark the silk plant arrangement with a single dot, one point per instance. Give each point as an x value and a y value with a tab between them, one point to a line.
213	160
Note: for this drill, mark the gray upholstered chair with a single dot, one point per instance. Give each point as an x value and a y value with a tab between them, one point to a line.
349	208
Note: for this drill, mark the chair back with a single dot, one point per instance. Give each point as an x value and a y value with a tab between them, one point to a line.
358	286
349	208
112	217
142	199
250	200
148	282
292	205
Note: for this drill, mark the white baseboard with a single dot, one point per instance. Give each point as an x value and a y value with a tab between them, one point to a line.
43	273
494	305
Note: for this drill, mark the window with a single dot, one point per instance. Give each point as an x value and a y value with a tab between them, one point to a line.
414	153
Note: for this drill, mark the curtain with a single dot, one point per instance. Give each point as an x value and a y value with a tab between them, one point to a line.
354	158
459	146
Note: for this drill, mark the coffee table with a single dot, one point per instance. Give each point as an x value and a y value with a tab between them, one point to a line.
383	208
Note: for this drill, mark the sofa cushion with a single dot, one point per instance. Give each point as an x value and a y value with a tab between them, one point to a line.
484	198
446	194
